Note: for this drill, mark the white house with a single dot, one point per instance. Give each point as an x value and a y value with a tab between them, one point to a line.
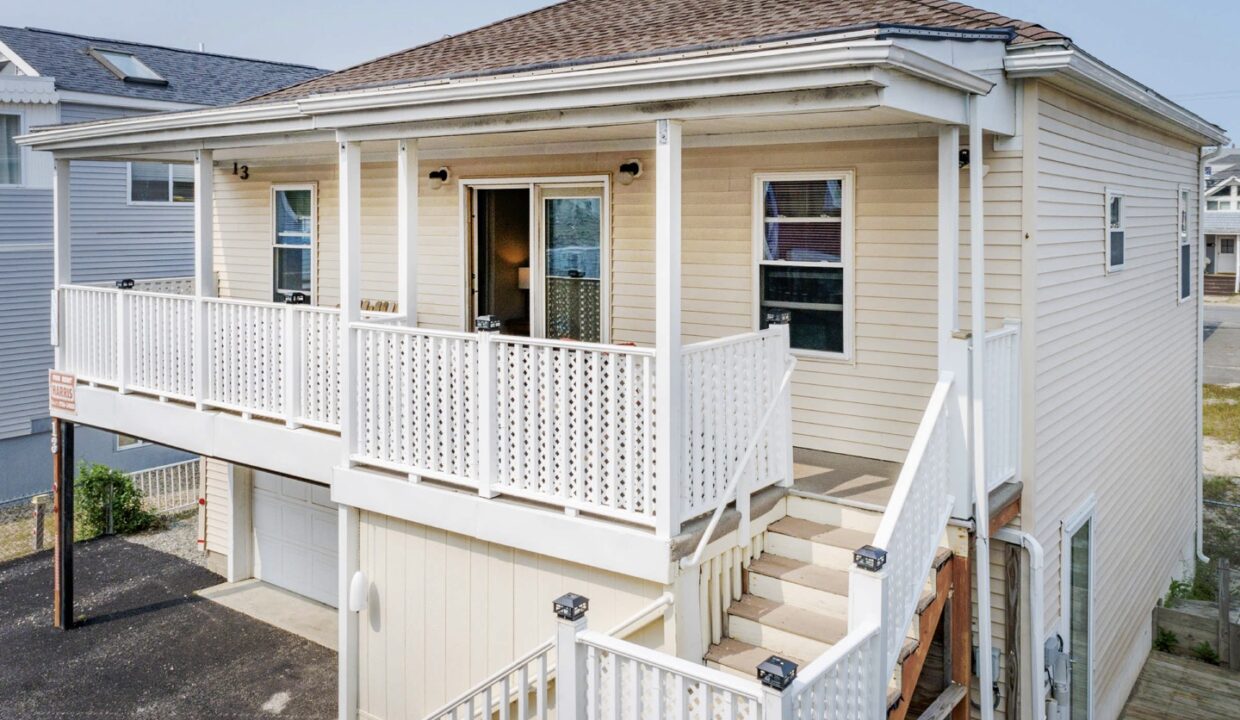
1222	220
589	225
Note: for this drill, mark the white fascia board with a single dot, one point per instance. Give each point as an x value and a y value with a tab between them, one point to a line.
119	101
213	122
28	90
605	545
1046	60
17	60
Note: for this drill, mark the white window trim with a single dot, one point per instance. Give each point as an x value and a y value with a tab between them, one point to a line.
154	203
1086	513
22	155
847	215
1111	194
122	448
314	237
1183	196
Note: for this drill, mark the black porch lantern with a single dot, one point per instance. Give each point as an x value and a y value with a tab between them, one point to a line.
571	606
868	557
296	298
778	316
487	323
125	284
776	672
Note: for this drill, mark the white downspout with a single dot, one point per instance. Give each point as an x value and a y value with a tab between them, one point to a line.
1037	628
977	311
1201	316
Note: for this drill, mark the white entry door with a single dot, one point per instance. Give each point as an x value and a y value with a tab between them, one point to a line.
295	536
1226	255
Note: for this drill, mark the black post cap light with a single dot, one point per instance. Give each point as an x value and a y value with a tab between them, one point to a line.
125	284
776	672
778	316
296	298
571	606
868	557
487	323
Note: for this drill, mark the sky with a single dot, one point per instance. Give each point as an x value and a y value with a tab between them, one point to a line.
1170	46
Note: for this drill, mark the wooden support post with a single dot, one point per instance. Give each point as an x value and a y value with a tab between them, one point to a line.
959	644
40	520
1224	612
204	268
62	265
350	178
407	230
62	509
668	445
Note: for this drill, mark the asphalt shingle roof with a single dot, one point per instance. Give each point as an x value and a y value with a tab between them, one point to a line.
579	31
193	77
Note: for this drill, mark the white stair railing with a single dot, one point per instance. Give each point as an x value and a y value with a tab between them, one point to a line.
1001	396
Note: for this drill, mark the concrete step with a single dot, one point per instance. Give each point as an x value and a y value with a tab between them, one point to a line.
817	543
836	514
800	584
784	628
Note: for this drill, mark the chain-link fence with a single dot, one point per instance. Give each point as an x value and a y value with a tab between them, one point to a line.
26	526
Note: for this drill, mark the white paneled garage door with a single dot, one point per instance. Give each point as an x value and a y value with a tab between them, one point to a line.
295	536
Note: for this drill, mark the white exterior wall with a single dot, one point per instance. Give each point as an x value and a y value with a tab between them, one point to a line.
218	512
1116	379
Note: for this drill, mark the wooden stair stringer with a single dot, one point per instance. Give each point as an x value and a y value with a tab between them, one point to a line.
928	619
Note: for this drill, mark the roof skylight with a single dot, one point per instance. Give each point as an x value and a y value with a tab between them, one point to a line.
127	66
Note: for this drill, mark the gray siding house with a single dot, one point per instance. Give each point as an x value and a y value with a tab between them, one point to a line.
130	220
1221	221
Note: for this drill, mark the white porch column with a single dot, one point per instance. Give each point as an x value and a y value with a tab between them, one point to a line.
668	444
348	529
953	350
350	178
204	263
977	281
62	264
407	230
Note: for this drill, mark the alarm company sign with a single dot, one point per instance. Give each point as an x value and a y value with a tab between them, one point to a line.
62	391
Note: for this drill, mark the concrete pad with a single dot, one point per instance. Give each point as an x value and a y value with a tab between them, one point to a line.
279	608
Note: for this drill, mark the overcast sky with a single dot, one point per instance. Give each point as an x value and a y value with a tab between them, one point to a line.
1173	47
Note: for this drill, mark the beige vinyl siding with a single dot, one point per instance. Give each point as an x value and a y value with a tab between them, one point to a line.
447	610
868	406
1116	381
218	507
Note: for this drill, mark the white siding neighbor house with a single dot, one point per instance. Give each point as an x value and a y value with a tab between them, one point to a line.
1221	221
759	338
131	219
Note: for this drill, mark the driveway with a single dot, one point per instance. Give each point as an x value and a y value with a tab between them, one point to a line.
1222	344
148	647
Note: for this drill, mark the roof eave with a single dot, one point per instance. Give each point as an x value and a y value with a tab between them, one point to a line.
1063	59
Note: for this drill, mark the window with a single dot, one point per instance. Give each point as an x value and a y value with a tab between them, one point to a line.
1227	246
160	183
10	153
1185	257
1115	234
128	442
1213	205
127	66
293	243
804	239
1076	586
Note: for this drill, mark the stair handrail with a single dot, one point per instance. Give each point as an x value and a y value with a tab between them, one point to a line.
733	483
635	622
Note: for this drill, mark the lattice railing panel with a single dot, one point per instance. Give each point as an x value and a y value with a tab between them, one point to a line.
245	358
160	349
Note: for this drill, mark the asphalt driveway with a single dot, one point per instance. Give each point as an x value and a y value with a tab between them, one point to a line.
1221	329
147	647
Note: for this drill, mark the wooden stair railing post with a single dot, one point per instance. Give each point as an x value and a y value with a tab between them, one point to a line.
960	643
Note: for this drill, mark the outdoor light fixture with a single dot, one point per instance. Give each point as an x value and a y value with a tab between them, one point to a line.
778	316
629	170
571	606
296	298
776	672
126	284
963	158
868	557
359	588
438	177
487	323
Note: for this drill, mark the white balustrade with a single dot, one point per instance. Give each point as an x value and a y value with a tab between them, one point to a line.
418	402
844	683
87	332
729	383
519	691
316	344
158	342
169	488
1001	396
245	356
574	425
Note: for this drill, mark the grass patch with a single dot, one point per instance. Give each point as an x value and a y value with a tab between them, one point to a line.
1221	412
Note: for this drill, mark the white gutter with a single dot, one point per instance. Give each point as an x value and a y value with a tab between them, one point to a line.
1065	59
1037	628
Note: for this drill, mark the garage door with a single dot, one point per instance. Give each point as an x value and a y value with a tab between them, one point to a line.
295	536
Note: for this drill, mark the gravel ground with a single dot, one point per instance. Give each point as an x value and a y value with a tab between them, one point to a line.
1221	459
178	537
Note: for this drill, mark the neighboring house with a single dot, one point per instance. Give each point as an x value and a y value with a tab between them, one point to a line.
133	220
732	166
1221	221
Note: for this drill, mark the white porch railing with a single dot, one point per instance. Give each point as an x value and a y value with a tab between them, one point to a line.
86	332
169	488
1001	396
157	332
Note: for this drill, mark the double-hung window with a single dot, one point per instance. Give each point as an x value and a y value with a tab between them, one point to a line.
1116	234
293	242
10	153
804	254
1184	258
159	183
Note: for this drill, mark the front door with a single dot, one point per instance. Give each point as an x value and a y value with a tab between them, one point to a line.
1226	255
1078	542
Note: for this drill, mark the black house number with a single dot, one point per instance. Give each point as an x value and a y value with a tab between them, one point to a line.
242	171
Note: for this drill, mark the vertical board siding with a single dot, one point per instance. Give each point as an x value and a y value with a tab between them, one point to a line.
1115	387
869	406
448	610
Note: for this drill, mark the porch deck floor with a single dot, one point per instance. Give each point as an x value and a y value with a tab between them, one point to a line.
848	479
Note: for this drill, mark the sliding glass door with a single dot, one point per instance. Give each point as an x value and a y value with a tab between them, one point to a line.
571	239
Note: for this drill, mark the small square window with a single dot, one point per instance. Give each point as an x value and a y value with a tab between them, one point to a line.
1115	233
151	182
126	442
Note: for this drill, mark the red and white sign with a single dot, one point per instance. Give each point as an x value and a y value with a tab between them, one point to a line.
62	391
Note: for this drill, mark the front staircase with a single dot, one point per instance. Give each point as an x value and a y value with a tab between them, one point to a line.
1220	283
795	596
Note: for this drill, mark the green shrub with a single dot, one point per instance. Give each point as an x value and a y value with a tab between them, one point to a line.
1204	652
1166	641
95	485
